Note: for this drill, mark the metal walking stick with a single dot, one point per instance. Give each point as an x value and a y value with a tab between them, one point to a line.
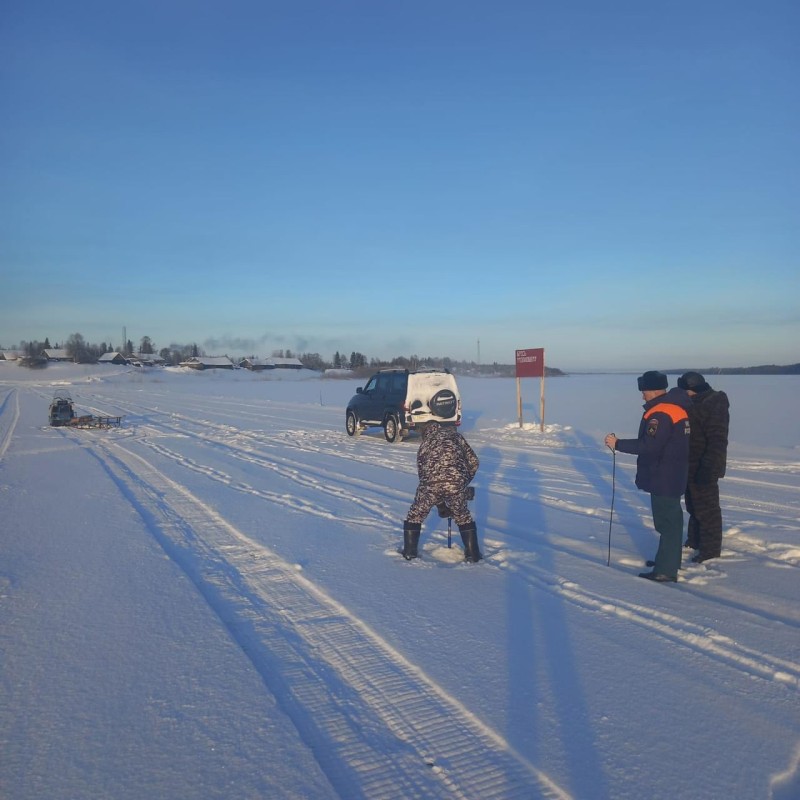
613	491
444	511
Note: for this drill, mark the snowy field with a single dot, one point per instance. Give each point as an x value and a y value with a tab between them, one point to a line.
207	602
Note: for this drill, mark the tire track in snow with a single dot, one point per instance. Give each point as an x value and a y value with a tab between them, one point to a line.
307	477
323	442
259	450
555	470
248	446
702	639
8	428
378	725
699	639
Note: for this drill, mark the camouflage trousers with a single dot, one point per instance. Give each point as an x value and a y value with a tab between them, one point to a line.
453	495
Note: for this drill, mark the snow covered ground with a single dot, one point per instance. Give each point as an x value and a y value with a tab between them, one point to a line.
207	601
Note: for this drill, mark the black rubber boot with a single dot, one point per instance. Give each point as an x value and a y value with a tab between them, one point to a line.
411	531
469	535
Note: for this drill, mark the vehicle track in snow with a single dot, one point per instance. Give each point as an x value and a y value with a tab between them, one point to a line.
558	478
549	456
672	627
567	478
266	450
378	725
9	417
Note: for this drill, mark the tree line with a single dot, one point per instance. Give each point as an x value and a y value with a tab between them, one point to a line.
82	352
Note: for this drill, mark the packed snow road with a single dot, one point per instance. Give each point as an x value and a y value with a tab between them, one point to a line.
534	674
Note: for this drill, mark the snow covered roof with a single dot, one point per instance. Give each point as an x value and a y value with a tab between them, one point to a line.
115	356
54	354
208	362
273	362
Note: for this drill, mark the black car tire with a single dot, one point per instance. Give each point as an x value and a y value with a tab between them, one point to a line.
351	424
391	429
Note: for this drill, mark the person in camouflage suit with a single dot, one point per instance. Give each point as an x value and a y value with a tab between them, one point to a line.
445	464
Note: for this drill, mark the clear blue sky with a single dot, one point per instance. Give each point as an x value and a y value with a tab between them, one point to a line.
617	182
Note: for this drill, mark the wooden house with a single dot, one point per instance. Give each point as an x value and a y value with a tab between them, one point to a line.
208	362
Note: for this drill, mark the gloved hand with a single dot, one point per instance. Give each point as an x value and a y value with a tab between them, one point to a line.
703	475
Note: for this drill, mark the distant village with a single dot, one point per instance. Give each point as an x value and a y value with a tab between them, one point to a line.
50	355
143	358
76	350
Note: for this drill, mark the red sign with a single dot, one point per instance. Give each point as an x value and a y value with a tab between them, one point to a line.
530	363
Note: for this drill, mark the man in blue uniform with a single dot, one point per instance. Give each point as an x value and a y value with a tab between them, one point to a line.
662	466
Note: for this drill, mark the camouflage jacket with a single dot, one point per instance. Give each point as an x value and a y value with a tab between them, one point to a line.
444	456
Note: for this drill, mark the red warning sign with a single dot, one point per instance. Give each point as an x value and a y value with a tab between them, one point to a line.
530	363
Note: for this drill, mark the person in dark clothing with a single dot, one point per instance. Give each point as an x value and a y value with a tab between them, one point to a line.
709	416
662	466
445	464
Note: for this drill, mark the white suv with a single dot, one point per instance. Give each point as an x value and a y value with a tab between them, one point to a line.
399	399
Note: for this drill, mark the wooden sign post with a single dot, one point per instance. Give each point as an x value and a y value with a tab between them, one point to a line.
530	364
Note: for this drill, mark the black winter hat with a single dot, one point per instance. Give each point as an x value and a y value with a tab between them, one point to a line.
693	381
651	381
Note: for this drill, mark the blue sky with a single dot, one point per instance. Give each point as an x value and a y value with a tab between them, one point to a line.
617	182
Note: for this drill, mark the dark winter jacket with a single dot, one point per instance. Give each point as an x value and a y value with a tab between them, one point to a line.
709	416
662	447
444	456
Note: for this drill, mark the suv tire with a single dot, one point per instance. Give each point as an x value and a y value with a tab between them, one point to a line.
351	424
443	403
391	429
